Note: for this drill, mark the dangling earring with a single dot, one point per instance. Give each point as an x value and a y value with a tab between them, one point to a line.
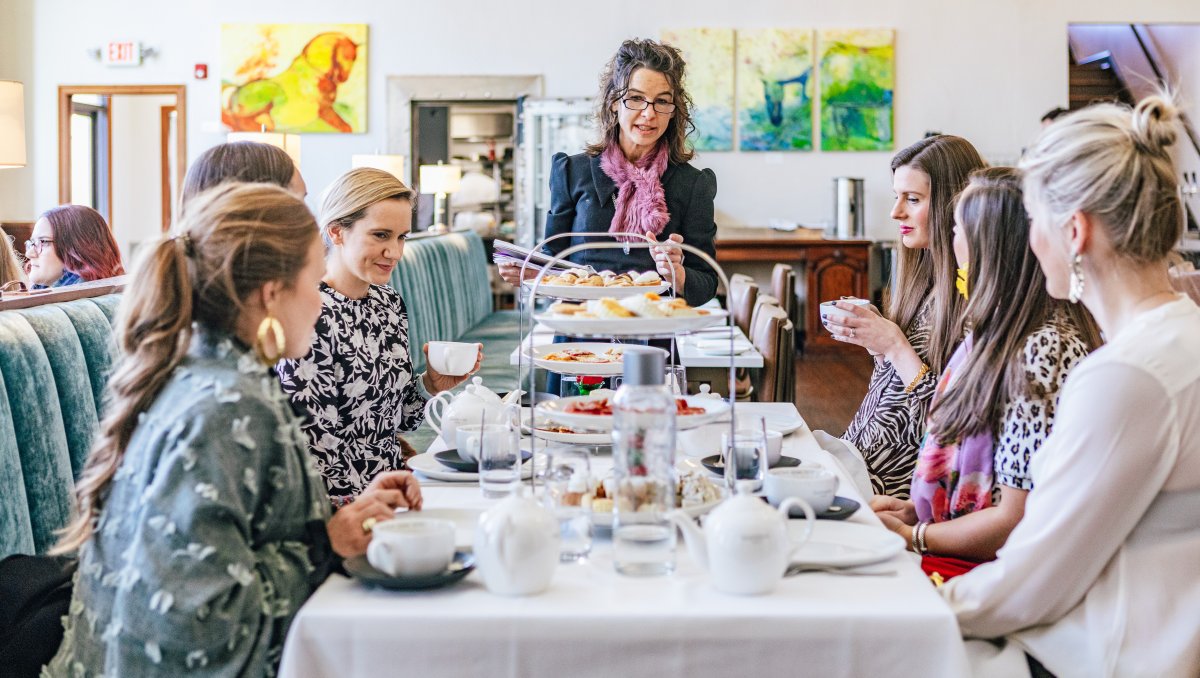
269	324
960	282
1076	291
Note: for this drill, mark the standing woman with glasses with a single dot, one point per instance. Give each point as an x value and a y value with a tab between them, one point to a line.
71	244
636	180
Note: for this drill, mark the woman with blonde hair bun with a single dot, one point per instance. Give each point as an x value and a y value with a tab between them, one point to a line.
1100	578
202	525
356	385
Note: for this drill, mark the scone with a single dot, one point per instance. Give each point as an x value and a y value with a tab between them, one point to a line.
647	278
608	308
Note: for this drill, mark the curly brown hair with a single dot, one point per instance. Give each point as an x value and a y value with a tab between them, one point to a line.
614	83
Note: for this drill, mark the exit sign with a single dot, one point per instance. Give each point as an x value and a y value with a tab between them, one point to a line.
124	53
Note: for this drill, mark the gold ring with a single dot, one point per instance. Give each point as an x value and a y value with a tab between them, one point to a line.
368	525
851	332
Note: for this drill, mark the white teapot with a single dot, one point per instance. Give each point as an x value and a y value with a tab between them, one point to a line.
745	545
445	411
516	546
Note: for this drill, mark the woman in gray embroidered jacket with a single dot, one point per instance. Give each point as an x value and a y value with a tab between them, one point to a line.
202	524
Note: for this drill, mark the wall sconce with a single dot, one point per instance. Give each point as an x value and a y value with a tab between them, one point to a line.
290	143
12	124
441	180
392	164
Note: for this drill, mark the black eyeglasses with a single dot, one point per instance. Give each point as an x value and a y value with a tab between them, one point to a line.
636	103
38	245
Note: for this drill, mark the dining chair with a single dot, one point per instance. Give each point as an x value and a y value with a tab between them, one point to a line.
743	293
773	334
783	287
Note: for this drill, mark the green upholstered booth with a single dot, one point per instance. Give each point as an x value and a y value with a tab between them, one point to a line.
54	360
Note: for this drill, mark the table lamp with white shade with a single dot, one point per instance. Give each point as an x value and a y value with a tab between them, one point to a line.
290	143
12	124
392	164
441	180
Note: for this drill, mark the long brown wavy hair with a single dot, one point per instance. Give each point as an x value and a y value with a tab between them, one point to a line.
232	240
947	161
614	83
84	242
1008	302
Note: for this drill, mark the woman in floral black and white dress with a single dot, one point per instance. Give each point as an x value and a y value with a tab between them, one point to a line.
356	387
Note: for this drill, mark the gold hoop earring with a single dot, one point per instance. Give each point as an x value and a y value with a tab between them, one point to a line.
1075	293
269	324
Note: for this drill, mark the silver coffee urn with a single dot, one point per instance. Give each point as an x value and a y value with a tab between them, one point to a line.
848	201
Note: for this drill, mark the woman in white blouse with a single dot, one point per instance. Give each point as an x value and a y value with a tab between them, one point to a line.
1102	576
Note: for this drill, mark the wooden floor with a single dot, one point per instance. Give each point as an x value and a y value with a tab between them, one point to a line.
830	384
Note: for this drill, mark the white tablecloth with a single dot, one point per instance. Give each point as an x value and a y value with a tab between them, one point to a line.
593	621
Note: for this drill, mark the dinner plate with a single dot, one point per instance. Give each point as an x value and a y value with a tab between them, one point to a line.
608	369
628	327
841	509
361	569
714	463
723	346
838	544
574	438
587	292
429	467
556	411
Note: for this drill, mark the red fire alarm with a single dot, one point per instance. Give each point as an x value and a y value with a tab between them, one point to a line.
201	71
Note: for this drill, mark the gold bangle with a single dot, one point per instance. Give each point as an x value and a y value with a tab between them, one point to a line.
917	379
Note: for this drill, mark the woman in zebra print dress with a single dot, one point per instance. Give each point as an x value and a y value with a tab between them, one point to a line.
913	342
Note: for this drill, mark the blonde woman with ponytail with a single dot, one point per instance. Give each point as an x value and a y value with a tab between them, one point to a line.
356	385
1100	577
202	525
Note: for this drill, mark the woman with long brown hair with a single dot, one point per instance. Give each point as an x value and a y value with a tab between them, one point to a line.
995	401
71	244
912	343
202	525
636	180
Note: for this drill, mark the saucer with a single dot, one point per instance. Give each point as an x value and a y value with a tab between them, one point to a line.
451	459
841	509
359	568
716	465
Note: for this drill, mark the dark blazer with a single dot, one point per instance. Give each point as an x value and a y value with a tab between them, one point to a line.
581	200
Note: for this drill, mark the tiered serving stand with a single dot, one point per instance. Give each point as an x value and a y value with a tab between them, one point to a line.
607	331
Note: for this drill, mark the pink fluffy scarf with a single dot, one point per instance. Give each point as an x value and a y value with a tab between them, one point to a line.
641	204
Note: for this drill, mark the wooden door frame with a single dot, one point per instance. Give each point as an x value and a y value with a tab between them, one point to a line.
65	92
165	144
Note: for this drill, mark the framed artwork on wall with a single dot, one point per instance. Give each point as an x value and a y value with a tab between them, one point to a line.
775	89
857	73
294	78
709	56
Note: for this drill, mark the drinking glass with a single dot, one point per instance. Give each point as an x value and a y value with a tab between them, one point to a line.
745	452
567	479
499	459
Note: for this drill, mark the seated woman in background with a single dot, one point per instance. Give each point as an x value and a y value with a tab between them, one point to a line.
924	323
356	385
242	161
1100	577
71	244
11	268
202	525
995	401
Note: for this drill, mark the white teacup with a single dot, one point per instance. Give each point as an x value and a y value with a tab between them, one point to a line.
466	439
416	547
452	358
774	442
828	308
814	485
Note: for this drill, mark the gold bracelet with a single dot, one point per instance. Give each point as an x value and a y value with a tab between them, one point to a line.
917	379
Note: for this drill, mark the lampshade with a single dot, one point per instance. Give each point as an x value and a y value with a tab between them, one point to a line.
290	143
440	178
394	164
12	124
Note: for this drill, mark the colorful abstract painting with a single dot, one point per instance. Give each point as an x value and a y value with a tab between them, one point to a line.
294	77
858	75
775	89
709	56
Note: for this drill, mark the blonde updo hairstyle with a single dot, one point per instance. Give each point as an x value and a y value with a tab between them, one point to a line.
349	197
231	240
1112	163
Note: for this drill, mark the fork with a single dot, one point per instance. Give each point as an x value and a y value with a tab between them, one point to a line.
795	569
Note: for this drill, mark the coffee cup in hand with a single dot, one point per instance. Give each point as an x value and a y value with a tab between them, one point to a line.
830	309
452	358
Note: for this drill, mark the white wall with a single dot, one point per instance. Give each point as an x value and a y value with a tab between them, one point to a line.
986	71
16	63
137	169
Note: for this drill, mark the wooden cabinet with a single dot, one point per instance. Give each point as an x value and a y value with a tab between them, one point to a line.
833	273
